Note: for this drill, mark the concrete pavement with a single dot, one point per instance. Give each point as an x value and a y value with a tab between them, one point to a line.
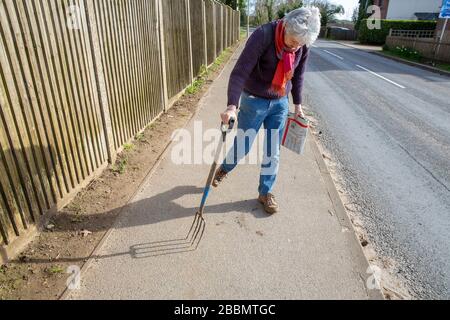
307	251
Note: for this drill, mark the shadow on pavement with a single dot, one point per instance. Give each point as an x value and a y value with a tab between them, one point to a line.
159	208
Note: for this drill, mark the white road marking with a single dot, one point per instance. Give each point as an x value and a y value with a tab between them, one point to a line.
380	76
333	54
315	46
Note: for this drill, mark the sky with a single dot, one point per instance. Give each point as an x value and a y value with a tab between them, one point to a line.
349	6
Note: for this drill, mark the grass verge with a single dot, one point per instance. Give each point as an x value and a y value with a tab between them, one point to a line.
418	59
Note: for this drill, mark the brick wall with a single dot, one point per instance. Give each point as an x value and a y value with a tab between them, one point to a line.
384	5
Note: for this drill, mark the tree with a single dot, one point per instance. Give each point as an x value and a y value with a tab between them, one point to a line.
270	9
327	10
238	4
243	10
260	12
362	12
232	3
355	15
287	6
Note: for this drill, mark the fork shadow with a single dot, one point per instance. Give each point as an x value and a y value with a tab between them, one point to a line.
168	247
161	207
145	250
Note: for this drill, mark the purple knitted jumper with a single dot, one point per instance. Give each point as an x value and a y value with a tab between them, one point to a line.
258	80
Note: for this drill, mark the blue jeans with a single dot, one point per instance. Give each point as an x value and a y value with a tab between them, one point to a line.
253	113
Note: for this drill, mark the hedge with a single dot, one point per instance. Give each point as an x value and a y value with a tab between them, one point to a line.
378	36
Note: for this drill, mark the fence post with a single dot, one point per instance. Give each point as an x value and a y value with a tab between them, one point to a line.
221	29
231	27
234	26
226	26
239	27
162	52
441	37
191	62
415	41
215	28
205	34
100	80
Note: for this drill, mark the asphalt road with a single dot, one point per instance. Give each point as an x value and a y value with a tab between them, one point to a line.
388	126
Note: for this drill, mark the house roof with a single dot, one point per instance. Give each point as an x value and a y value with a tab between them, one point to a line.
427	15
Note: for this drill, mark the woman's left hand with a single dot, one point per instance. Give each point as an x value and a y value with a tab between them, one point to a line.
299	111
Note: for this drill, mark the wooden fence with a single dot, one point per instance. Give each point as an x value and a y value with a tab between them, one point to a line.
81	78
429	48
337	33
211	33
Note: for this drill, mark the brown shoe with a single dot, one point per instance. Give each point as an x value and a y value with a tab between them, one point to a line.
269	202
219	177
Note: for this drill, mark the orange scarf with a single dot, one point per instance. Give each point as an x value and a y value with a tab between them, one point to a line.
285	66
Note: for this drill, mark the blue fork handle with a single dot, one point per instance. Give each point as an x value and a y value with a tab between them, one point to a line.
207	190
205	197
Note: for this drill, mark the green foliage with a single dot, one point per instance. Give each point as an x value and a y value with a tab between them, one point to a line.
243	11
378	36
243	32
362	12
55	270
238	4
140	137
285	8
120	166
220	60
128	146
443	66
270	9
355	16
199	82
412	55
232	3
406	52
328	10
196	86
204	71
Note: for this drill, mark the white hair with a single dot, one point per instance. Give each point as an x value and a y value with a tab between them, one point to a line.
303	24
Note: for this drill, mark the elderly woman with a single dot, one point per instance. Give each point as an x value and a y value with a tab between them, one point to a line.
261	80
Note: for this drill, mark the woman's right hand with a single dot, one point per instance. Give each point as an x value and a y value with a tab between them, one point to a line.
229	114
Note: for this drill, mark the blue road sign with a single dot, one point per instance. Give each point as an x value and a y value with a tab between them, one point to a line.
445	11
